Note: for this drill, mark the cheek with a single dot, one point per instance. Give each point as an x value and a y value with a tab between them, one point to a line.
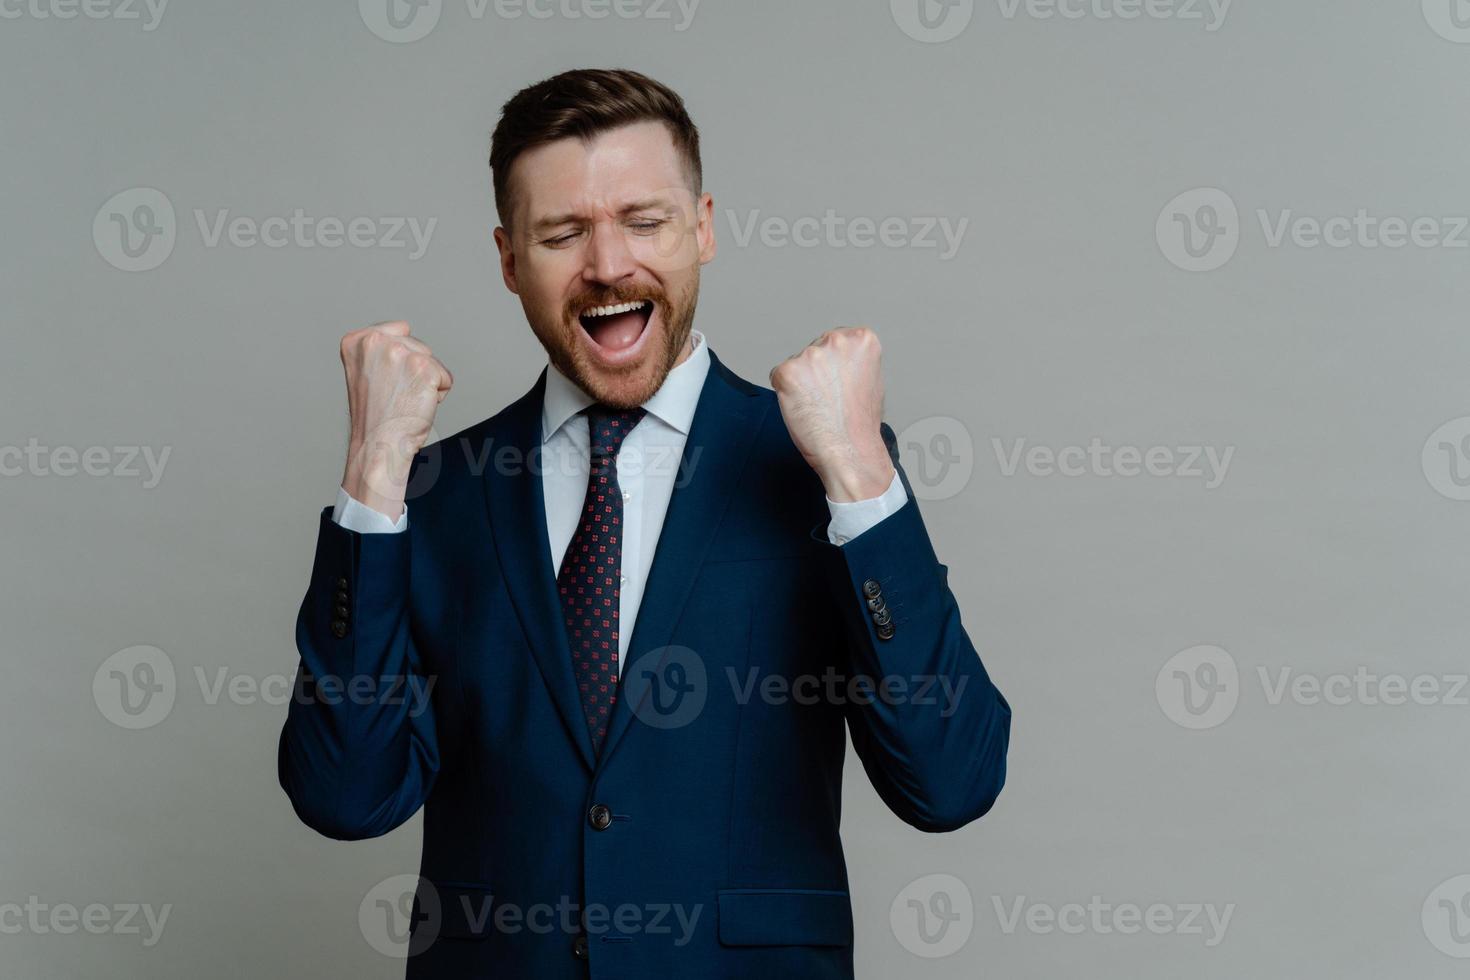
544	282
674	248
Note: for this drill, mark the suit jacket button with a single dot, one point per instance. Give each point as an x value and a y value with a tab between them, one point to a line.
877	604
600	817
340	598
341	583
340	612
872	589
339	628
885	632
882	617
579	948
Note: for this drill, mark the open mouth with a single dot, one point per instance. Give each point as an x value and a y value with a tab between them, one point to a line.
616	330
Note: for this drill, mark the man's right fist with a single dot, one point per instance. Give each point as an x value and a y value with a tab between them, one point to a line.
394	386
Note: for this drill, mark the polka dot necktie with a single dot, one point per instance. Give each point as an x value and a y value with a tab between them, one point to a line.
591	572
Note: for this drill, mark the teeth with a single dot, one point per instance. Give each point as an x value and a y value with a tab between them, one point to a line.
613	310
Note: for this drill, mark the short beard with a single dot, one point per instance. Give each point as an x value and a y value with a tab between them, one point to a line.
565	352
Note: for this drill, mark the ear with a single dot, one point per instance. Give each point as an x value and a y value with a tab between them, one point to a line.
507	259
705	227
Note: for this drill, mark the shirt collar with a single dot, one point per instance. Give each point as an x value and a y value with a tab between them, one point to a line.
674	402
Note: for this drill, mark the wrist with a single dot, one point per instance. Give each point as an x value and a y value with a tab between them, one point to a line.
858	477
377	479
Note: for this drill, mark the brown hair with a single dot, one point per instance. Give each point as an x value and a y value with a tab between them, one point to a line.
583	103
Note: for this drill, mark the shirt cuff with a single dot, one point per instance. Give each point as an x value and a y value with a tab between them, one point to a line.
353	516
854	517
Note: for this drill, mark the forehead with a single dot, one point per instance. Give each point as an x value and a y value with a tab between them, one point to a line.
629	163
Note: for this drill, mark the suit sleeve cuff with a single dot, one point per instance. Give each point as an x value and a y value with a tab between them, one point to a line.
852	518
354	516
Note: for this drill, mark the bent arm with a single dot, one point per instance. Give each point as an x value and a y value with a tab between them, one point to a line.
359	752
933	734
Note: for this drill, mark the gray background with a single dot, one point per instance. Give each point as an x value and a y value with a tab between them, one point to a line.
1330	546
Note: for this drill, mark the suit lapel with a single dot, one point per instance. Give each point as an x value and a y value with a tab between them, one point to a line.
518	518
725	423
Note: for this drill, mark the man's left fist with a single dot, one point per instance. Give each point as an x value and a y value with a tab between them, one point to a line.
831	396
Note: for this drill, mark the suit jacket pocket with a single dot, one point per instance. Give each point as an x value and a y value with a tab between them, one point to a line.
784	917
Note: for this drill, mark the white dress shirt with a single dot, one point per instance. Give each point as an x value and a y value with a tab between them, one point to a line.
647	464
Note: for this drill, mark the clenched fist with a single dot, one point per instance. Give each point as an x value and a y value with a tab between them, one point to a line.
394	386
831	397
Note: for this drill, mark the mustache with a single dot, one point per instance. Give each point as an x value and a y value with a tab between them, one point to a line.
610	295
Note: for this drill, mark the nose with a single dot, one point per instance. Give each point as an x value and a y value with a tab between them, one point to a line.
608	258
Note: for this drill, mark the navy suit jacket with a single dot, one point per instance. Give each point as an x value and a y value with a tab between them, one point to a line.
702	841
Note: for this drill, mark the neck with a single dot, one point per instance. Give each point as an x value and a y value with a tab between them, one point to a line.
688	350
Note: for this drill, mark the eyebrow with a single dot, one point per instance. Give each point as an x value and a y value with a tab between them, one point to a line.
557	220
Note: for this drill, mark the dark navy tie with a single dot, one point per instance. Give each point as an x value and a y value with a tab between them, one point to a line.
591	572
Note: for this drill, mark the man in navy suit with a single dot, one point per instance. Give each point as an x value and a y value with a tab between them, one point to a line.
615	654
